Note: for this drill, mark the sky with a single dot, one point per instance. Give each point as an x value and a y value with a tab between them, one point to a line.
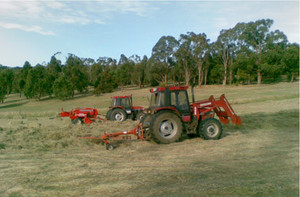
34	30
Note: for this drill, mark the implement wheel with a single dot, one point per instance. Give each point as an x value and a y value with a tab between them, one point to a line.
118	115
77	121
211	129
165	127
109	147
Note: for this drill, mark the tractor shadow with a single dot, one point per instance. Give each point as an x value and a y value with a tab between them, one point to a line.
254	121
251	122
13	105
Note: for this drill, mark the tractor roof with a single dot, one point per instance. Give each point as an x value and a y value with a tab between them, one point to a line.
115	97
161	89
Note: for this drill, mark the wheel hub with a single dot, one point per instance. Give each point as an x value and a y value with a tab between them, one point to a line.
119	117
168	128
212	130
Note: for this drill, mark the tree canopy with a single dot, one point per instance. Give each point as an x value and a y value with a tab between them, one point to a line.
247	53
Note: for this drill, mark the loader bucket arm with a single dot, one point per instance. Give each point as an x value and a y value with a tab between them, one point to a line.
229	112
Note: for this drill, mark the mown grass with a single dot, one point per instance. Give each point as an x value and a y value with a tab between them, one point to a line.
43	157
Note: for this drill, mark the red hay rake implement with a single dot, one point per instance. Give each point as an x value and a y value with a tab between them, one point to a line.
82	115
107	139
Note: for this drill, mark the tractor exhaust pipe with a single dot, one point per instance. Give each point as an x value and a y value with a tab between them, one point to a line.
193	95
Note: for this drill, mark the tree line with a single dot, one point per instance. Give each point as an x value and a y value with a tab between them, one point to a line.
245	54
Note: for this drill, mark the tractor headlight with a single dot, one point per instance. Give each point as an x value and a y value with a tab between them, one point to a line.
149	111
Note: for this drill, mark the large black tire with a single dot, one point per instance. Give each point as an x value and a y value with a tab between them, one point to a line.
210	129
77	121
118	115
108	114
165	127
140	116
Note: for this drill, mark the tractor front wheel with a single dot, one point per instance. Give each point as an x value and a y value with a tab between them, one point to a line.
118	115
211	129
165	128
140	116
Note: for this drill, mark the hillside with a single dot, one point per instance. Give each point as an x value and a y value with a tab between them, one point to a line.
44	157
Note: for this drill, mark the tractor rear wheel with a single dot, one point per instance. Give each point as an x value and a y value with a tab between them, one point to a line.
108	114
165	127
118	115
211	129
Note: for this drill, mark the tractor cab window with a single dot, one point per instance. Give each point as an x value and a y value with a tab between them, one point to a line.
179	99
125	102
157	99
114	102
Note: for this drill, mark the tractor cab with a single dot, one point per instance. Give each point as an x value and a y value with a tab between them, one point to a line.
173	98
122	108
124	101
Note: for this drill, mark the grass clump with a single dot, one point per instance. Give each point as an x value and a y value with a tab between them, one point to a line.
2	146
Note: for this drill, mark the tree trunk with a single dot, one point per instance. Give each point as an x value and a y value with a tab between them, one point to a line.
187	74
140	82
259	76
225	63
249	82
201	82
230	77
166	78
205	76
292	78
200	74
225	75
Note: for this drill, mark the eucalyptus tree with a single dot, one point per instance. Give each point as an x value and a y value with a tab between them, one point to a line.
18	82
184	58
88	63
162	57
3	86
105	65
290	61
199	47
77	73
125	71
273	67
95	70
140	69
254	36
62	88
225	47
6	79
54	68
37	83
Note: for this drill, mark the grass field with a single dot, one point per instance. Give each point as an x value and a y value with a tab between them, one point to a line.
43	157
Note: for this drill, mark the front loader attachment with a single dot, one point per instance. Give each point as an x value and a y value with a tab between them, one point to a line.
228	110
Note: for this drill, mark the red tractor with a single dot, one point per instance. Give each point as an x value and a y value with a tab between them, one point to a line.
170	113
122	108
